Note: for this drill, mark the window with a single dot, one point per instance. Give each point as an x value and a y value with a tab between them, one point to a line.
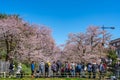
118	43
113	44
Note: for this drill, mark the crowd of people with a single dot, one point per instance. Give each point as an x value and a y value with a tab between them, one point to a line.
62	69
68	69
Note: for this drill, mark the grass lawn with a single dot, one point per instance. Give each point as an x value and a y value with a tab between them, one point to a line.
47	79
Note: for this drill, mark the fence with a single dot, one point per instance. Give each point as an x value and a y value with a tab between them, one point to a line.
4	68
117	72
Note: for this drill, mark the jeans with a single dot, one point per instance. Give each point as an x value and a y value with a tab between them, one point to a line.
72	73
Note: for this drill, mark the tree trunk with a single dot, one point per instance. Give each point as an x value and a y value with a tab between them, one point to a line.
8	49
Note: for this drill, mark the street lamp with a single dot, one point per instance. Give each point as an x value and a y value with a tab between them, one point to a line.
107	27
103	28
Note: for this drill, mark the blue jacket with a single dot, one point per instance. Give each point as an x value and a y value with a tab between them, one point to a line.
89	68
32	67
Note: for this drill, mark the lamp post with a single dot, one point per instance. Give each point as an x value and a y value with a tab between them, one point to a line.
103	28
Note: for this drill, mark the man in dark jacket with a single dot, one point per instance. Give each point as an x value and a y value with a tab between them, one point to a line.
94	69
11	68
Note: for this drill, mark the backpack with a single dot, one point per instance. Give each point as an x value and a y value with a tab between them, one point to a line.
105	66
54	67
94	67
11	66
89	67
102	68
69	67
79	66
46	65
83	66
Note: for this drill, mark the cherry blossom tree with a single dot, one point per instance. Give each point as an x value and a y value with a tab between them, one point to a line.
93	37
25	41
83	44
9	32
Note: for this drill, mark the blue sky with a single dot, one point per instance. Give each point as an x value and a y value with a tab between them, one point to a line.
67	16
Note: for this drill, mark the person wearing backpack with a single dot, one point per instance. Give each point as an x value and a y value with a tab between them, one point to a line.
83	70
105	67
46	69
94	69
89	69
67	68
59	65
54	68
78	68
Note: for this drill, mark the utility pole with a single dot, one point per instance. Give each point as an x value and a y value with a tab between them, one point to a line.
103	41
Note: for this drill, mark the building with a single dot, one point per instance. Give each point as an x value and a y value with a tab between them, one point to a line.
116	44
